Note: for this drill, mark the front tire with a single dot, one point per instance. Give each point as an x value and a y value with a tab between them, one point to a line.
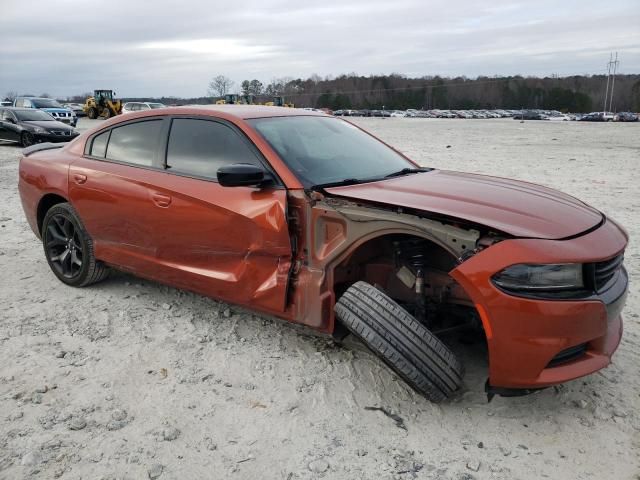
92	113
68	248
106	113
27	139
402	342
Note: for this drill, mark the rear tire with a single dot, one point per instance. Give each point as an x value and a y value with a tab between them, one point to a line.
68	248
106	113
402	342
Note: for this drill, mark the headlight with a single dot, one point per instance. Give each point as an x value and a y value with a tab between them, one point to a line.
526	278
40	130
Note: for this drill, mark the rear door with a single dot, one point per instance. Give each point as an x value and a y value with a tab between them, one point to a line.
111	188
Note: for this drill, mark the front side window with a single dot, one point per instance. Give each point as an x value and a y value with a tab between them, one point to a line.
201	147
135	143
322	150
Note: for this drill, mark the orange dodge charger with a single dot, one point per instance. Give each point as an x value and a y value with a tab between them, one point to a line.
300	215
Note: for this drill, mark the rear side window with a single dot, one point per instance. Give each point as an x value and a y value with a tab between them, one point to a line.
99	146
201	147
135	143
19	102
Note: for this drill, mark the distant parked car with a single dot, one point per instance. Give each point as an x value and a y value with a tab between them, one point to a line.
530	115
559	118
77	108
27	126
598	117
627	117
141	106
49	105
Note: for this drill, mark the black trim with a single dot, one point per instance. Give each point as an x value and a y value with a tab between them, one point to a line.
568	355
492	391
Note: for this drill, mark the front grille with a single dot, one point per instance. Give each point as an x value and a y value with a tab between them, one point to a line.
568	355
60	132
605	271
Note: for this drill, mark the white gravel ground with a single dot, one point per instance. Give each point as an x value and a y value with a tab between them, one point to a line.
132	379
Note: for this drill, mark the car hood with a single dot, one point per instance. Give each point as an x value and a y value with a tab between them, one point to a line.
48	124
517	208
56	110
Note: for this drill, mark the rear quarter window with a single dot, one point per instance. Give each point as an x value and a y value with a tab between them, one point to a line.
99	145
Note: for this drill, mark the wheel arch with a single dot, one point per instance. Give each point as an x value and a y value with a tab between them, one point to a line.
365	242
44	205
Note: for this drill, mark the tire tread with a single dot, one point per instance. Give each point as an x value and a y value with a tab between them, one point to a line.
406	345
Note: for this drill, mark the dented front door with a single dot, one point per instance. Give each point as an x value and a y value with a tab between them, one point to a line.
230	243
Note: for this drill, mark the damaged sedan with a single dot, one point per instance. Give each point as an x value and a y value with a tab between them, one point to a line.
309	218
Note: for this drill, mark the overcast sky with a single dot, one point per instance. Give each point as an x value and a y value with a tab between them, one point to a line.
174	47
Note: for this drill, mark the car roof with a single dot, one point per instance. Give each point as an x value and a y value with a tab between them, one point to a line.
18	109
240	112
252	111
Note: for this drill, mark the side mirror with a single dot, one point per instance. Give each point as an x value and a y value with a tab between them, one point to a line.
242	175
12	120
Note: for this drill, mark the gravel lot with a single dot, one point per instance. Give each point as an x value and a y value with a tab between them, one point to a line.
132	379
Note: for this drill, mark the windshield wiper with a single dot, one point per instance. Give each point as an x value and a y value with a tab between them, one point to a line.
406	171
339	183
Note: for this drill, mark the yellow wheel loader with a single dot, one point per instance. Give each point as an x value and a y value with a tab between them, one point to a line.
102	104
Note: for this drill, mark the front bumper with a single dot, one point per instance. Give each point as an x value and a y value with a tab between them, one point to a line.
53	138
537	343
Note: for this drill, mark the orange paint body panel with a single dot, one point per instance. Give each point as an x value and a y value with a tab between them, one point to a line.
528	333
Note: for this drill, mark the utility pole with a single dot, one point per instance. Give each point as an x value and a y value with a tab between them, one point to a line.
613	80
606	92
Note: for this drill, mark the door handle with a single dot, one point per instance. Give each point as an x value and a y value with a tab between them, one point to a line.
161	200
79	178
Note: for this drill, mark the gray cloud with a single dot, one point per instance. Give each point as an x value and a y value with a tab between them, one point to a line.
65	47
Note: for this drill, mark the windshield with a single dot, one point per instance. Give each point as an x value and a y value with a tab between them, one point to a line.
45	103
321	150
156	105
33	115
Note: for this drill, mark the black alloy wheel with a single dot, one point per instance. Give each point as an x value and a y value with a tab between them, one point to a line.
27	139
63	247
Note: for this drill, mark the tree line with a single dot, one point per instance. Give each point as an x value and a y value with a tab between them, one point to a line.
578	93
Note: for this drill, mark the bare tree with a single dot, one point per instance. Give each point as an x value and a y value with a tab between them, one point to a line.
255	87
11	95
219	86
